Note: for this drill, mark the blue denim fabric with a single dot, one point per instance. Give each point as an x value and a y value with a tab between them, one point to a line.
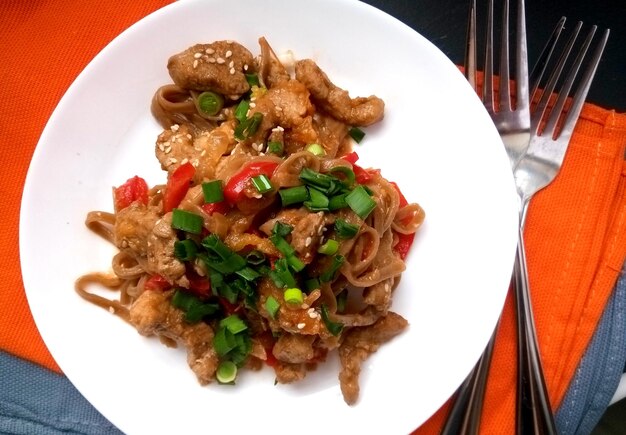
599	371
36	401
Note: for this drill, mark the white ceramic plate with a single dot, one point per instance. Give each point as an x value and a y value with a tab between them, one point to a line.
436	141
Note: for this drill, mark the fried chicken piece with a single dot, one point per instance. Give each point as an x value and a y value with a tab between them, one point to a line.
360	343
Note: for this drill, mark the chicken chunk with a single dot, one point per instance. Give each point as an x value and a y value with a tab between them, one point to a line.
219	67
133	225
294	348
307	230
160	250
358	344
153	314
360	111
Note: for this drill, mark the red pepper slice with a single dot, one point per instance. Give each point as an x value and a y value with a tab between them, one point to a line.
404	240
233	191
221	207
198	285
157	282
135	189
362	175
177	186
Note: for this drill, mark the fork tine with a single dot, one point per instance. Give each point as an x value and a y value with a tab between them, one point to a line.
488	69
505	94
542	62
470	49
539	112
521	60
583	88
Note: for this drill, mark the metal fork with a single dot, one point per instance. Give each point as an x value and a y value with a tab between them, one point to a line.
536	170
533	408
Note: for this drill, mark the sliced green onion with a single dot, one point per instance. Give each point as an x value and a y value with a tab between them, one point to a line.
241	112
262	183
311	284
330	247
281	229
187	221
249	126
224	341
337	202
318	201
272	306
295	263
348	173
255	257
357	134
293	296
334	328
212	191
248	273
193	307
330	274
342	298
293	195
281	275
345	229
233	323
209	103
185	250
226	372
275	147
282	245
360	202
222	258
252	79
323	182
316	149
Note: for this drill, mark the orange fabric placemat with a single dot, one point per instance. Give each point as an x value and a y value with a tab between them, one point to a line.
576	229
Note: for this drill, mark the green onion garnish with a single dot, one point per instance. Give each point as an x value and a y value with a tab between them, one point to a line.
331	273
248	273
187	221
209	103
337	202
293	296
226	372
316	149
342	298
221	258
223	341
255	257
241	112
311	284
345	229
334	328
249	126
193	307
252	79
360	202
293	195
281	275
348	173
262	183
185	250
281	229
233	323
212	191
318	201
272	306
357	134
275	147
330	247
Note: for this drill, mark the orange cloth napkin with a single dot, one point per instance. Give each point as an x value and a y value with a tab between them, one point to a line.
576	228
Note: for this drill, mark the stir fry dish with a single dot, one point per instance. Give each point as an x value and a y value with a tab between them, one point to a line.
267	243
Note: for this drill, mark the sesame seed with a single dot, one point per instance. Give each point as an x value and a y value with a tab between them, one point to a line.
301	325
161	147
232	71
175	127
231	63
195	163
197	55
209	51
245	67
312	315
211	60
179	140
111	310
167	150
203	153
172	160
252	105
183	161
189	136
229	54
229	41
220	60
308	242
195	63
279	109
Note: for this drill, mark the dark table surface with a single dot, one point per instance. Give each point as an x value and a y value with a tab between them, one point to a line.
443	22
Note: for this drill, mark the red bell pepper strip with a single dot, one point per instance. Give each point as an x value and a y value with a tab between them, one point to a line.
135	189
177	186
221	207
157	282
234	189
362	175
404	240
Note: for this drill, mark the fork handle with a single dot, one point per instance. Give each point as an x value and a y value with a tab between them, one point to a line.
533	412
